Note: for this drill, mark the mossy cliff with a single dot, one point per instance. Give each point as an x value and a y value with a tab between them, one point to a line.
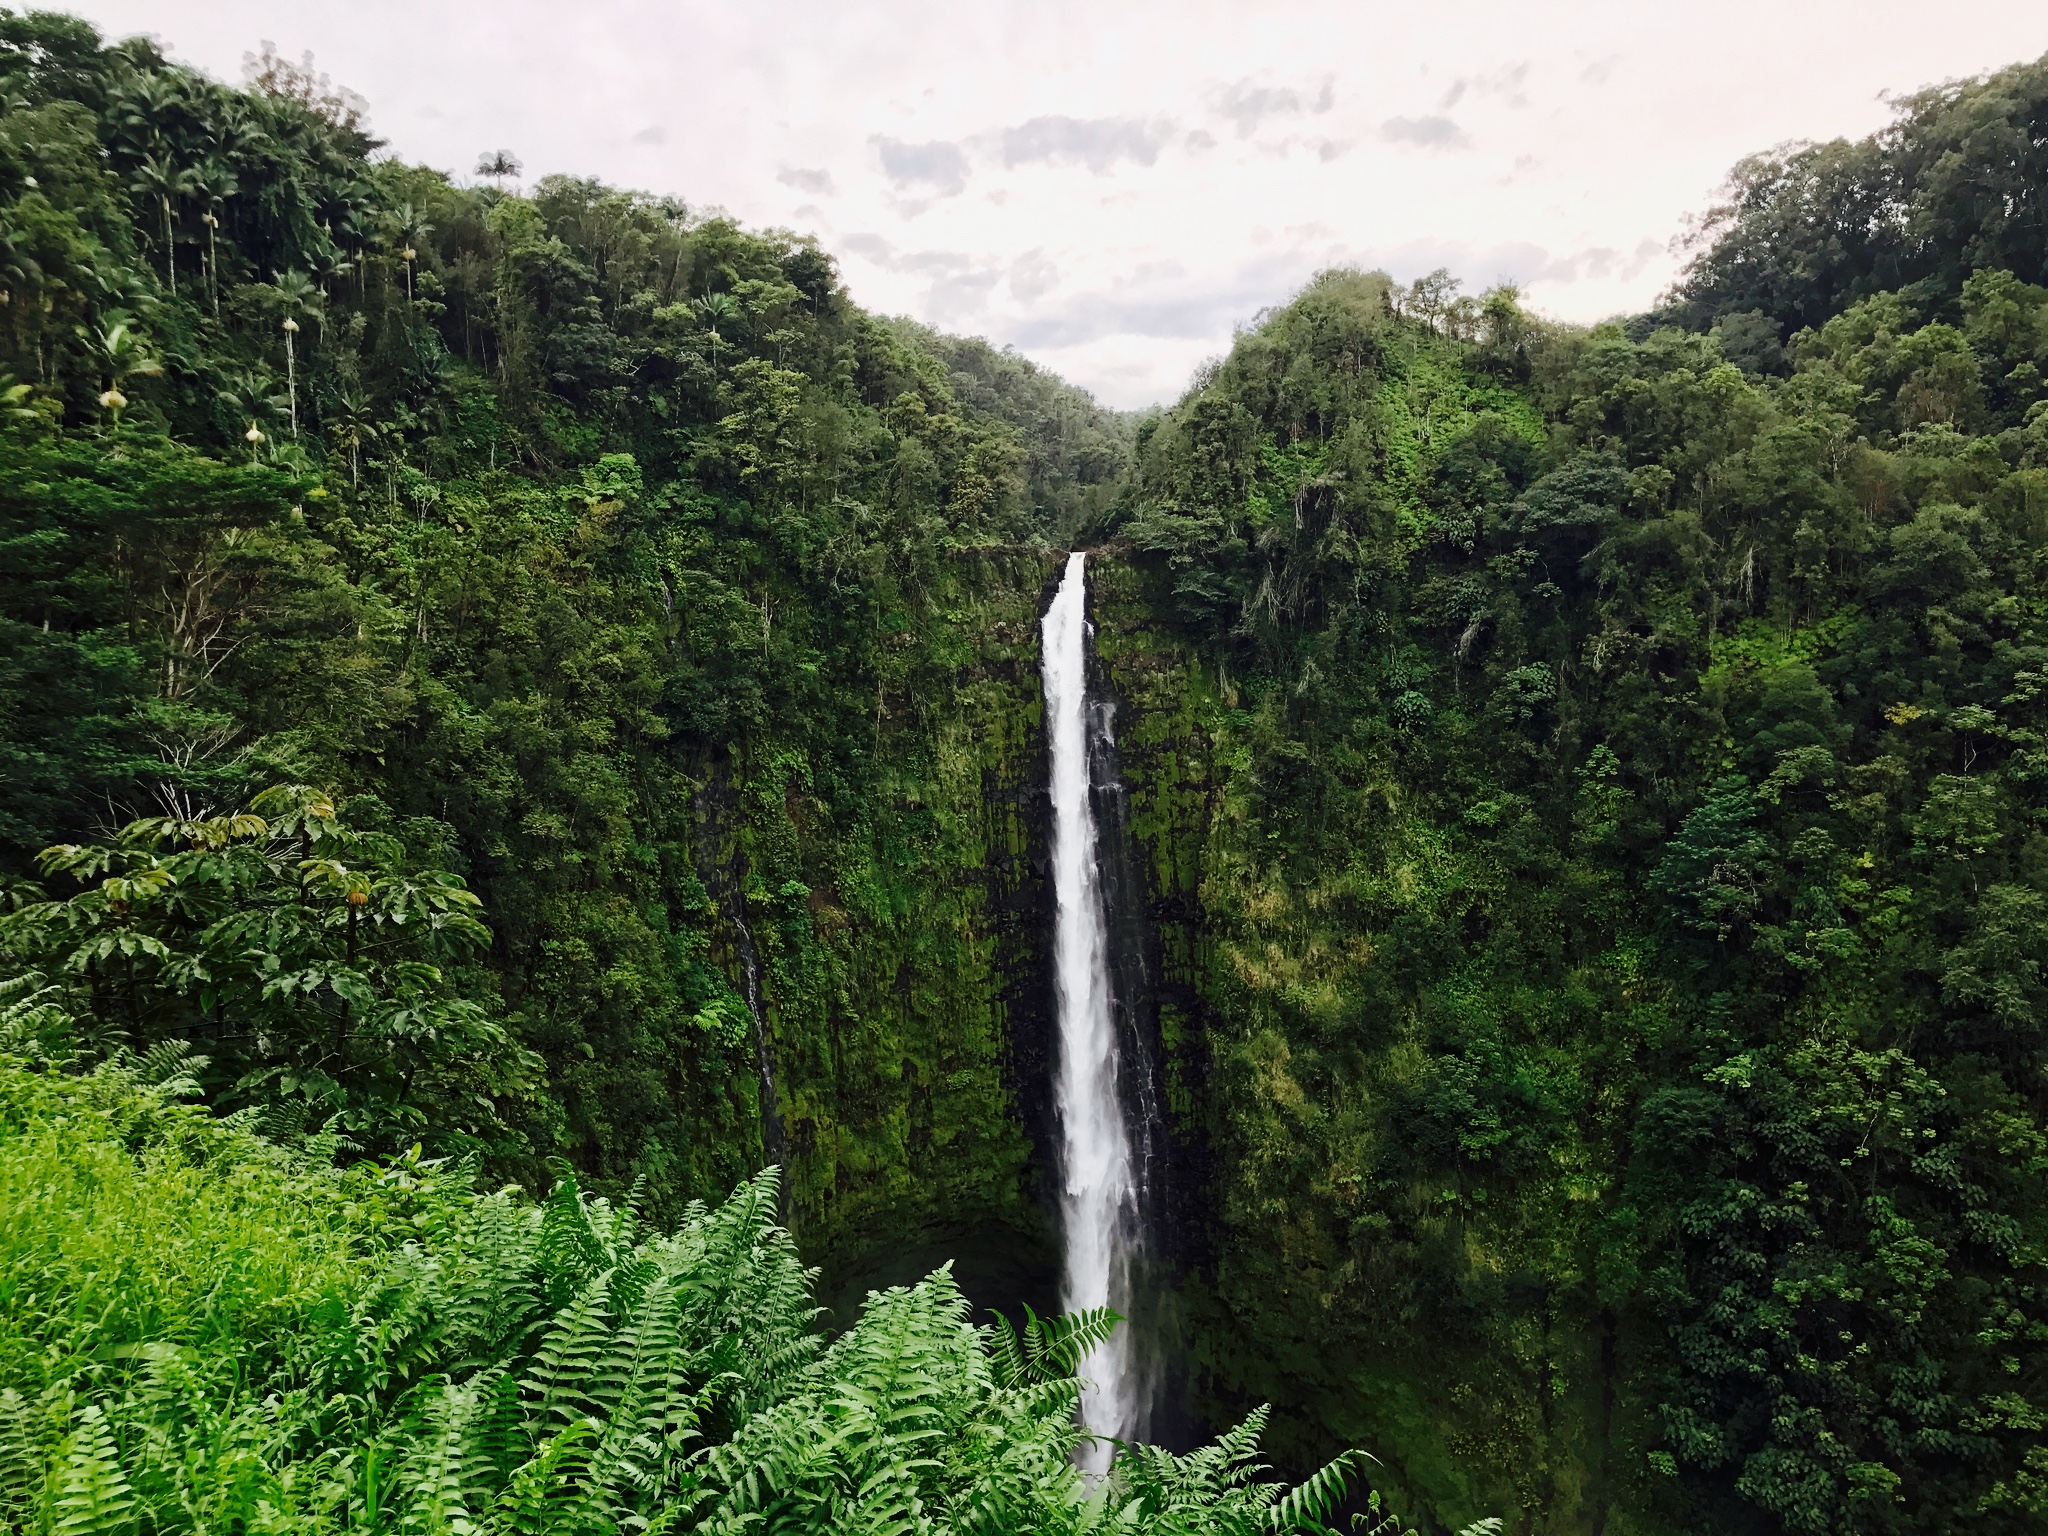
909	997
1432	1338
906	981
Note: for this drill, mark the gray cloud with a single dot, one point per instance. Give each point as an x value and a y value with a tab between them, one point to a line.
1425	132
1599	262
953	298
1329	149
804	179
1032	275
1094	316
960	283
654	134
1098	143
871	246
1516	261
938	165
883	253
1157	301
1506	81
1160	303
1249	105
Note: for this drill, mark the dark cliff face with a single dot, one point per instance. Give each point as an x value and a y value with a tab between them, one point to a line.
905	967
1171	1166
1005	1249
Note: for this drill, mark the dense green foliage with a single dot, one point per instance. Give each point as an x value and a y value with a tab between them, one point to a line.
202	1332
600	553
298	951
1621	887
1953	187
1590	785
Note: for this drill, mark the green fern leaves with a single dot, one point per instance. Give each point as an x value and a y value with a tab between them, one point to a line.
466	1365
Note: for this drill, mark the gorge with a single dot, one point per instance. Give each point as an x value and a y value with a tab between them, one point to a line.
1481	879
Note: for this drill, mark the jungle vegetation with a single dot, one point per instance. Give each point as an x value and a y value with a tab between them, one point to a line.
517	710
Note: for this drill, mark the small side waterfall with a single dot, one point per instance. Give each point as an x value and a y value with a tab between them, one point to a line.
774	1140
1100	1194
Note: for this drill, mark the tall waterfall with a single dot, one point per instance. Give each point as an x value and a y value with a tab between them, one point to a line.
1099	1193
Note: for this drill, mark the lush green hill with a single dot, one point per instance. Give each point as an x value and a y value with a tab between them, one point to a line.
1585	787
1609	899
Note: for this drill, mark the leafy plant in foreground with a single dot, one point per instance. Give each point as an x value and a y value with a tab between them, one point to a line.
306	956
408	1356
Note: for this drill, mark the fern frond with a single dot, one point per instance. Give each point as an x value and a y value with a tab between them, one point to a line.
551	1494
92	1496
21	1460
562	1380
1304	1506
1063	1342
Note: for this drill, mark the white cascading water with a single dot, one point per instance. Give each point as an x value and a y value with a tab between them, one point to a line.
1098	1202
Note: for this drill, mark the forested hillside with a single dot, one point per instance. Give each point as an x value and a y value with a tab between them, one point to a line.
1620	874
532	684
591	550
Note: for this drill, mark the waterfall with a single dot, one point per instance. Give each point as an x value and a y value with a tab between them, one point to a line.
1099	1189
774	1140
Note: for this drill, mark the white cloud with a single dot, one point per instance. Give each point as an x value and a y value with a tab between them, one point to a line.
1088	181
1250	105
1098	143
1032	276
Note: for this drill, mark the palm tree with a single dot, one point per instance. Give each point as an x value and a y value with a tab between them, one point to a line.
156	176
330	265
717	309
291	371
354	428
122	356
251	396
297	295
411	230
216	183
499	165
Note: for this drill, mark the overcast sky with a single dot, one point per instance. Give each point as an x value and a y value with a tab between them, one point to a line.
1110	185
